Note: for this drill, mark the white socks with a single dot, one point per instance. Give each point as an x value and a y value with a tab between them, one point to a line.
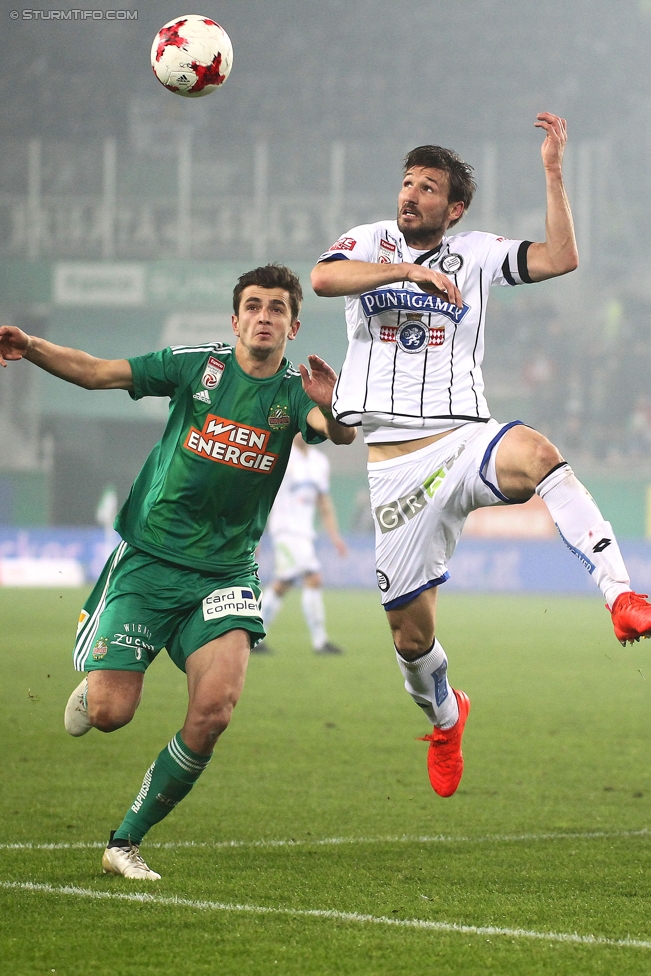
584	531
426	680
270	604
314	613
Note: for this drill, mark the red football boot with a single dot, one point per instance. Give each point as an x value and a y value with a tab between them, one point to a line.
444	756
631	617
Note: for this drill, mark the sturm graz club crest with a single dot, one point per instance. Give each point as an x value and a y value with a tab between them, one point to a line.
382	580
451	263
413	335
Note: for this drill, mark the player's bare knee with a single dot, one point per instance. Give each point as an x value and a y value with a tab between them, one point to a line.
411	641
213	718
528	457
208	727
550	458
412	626
545	456
109	716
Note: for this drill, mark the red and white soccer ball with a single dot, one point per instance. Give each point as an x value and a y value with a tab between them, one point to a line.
192	56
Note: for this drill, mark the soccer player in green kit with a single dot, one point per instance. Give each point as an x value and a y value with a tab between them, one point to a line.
184	577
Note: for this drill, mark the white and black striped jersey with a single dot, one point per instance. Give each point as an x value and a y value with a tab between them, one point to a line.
414	361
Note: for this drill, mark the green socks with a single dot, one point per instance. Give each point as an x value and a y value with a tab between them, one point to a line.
170	778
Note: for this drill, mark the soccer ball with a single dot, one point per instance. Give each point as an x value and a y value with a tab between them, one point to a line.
192	56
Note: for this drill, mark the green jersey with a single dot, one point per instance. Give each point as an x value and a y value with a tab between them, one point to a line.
204	494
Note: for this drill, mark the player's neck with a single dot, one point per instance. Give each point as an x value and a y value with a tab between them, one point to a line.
261	369
421	244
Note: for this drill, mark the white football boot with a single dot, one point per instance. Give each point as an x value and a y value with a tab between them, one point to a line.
76	714
128	862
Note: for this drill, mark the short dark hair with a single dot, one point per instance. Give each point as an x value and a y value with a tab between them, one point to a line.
461	181
271	276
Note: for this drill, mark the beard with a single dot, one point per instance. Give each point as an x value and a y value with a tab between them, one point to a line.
417	236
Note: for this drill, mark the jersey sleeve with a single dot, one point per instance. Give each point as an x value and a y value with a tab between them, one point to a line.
504	260
357	245
155	374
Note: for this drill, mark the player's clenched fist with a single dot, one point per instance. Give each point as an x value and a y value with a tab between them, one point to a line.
13	343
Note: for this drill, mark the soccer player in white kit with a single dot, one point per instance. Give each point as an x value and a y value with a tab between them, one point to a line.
304	490
415	312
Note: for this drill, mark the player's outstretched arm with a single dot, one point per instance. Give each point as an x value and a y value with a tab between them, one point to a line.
558	254
332	279
72	365
319	382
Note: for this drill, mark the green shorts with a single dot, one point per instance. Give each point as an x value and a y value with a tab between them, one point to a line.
141	604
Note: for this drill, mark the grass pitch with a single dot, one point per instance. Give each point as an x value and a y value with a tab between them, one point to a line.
313	844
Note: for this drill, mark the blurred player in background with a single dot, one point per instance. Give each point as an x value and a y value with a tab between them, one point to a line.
305	489
415	313
184	577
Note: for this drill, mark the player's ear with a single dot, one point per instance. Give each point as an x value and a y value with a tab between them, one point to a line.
235	324
456	210
295	326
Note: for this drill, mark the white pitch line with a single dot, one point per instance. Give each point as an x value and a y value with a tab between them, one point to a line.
342	841
412	923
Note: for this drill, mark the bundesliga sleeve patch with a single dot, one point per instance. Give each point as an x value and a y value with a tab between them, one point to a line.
387	252
236	445
238	601
213	373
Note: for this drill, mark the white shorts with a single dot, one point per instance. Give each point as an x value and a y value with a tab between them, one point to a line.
294	556
420	502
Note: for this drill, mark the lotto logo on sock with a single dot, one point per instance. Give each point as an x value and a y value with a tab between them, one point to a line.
236	601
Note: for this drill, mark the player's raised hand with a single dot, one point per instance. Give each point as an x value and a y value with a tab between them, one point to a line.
318	381
435	283
553	146
13	343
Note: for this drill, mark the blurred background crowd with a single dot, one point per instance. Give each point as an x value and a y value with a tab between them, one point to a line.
127	212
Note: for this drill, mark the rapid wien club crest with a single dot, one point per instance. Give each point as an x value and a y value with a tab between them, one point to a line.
278	418
100	648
